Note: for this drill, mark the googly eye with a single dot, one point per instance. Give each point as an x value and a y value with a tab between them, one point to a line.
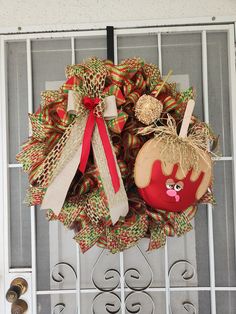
170	186
178	187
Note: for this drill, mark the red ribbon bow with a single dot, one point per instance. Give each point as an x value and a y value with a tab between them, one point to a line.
90	104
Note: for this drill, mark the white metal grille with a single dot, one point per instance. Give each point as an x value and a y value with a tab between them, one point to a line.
133	281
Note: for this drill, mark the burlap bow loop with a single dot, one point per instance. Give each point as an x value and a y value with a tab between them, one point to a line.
105	105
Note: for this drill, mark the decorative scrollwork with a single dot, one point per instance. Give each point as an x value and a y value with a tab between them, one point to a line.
106	302
107	280
139	280
133	274
59	308
57	275
189	307
110	279
139	303
189	271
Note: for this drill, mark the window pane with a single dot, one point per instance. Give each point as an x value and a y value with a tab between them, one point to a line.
188	255
17	97
57	303
90	47
99	268
183	54
56	255
141	266
20	236
225	302
223	223
144	46
49	59
218	89
145	302
100	303
190	302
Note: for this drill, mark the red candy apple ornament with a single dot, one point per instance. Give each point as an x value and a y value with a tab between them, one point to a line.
173	172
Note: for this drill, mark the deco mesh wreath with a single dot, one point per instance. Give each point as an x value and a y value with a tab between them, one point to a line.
107	194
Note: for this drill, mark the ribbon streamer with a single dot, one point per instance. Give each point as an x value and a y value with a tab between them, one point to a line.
95	131
88	132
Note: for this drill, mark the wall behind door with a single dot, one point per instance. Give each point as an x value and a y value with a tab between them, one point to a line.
16	13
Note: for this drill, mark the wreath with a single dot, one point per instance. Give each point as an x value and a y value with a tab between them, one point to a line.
106	157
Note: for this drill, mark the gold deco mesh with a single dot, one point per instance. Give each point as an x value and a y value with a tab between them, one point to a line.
132	63
61	153
94	77
152	73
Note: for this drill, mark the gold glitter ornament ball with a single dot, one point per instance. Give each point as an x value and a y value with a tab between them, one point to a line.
148	109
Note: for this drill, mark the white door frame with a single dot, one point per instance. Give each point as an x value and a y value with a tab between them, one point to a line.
125	29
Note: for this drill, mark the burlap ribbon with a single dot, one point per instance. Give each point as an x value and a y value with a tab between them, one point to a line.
57	190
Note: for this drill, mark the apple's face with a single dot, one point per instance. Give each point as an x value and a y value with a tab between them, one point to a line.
169	193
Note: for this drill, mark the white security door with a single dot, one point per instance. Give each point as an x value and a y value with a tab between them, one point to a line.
193	274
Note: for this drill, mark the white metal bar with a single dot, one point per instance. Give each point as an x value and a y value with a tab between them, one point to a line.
159	52
225	288
167	282
211	258
211	20
20	270
137	47
86	49
29	76
232	100
167	279
14	165
205	77
115	48
78	285
66	49
122	283
118	290
32	208
4	178
59	291
55	35
121	255
72	40
33	259
224	158
78	270
209	207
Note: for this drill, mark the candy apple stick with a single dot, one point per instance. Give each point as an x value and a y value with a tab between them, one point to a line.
187	117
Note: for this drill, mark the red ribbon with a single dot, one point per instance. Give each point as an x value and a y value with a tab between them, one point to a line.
90	104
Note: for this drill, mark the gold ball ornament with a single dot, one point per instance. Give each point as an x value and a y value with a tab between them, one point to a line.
148	109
